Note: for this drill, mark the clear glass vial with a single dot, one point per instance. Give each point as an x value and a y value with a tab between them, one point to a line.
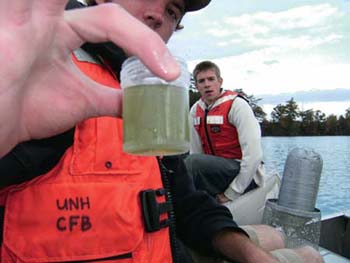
155	111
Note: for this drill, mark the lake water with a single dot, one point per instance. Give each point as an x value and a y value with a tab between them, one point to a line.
334	190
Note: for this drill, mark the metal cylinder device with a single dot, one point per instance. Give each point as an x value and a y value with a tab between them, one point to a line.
301	179
294	212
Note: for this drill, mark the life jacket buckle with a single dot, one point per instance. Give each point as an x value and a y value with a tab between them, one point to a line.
151	210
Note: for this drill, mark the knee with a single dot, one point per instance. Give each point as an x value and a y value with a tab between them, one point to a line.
309	254
193	162
189	160
192	158
279	234
276	236
268	238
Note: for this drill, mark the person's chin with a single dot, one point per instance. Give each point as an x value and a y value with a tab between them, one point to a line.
210	97
209	94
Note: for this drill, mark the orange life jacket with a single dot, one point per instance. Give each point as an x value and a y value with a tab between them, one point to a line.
87	208
218	136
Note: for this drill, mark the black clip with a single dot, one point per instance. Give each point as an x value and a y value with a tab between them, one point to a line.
151	210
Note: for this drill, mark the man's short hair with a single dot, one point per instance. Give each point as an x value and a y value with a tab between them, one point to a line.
178	26
190	5
90	2
206	65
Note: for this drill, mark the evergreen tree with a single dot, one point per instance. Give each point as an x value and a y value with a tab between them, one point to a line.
284	118
331	125
307	122
320	123
253	102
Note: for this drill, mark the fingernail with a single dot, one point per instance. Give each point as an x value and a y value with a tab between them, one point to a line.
169	66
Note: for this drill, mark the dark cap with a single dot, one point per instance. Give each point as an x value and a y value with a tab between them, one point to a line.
194	5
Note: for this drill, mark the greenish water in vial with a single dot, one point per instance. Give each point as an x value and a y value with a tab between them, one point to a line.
156	120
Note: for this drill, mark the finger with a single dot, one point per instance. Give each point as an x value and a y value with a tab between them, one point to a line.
15	10
50	7
110	22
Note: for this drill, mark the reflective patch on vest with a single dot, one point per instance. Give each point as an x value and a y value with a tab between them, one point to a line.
83	56
196	120
215	129
215	119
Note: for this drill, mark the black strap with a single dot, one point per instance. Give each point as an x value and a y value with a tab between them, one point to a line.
151	210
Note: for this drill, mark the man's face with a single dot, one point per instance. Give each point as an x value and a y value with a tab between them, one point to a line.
160	15
208	85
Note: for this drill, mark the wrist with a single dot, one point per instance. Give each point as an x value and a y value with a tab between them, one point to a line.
231	194
231	244
236	246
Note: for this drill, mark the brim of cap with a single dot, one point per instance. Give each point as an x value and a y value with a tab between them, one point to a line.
194	5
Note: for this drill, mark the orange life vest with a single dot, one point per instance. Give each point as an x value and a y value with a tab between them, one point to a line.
218	136
86	209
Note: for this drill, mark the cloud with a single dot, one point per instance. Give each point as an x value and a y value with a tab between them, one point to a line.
271	52
258	73
302	27
271	62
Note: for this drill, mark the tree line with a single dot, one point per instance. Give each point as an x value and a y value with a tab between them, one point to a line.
288	120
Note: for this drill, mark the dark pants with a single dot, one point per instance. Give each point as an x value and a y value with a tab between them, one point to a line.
212	173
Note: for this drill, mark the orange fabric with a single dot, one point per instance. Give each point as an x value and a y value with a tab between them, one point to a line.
223	136
88	206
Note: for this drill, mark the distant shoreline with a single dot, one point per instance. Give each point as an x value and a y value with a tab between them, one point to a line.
328	107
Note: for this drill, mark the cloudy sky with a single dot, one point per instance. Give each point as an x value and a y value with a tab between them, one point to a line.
272	47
